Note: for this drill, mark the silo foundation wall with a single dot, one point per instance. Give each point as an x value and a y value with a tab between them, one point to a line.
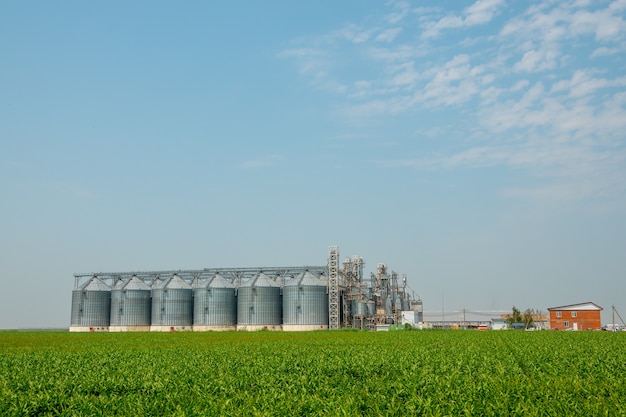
255	327
89	329
129	328
304	327
170	328
214	328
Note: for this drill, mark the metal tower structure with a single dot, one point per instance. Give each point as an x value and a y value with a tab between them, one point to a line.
333	287
352	286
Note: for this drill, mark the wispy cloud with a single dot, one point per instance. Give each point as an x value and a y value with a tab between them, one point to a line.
479	13
73	190
263	161
523	84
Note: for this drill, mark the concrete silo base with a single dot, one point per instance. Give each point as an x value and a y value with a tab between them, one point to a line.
214	328
304	327
170	328
89	329
129	328
256	327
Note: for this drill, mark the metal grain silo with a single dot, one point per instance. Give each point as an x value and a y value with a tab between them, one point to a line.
172	305
91	306
305	303
259	304
359	308
131	306
215	305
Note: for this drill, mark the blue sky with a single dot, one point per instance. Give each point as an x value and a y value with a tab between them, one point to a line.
478	148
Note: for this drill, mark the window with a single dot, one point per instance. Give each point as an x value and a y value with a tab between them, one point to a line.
566	324
558	314
574	313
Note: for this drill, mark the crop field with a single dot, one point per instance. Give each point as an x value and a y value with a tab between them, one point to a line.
342	373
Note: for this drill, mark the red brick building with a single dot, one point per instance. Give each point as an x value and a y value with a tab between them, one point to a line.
583	316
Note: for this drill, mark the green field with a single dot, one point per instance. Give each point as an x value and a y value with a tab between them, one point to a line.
315	373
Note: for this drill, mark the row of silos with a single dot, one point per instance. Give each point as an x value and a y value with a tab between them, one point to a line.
261	302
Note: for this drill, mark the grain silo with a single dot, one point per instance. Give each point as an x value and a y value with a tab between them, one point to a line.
359	308
305	303
215	305
91	306
131	306
172	305
259	304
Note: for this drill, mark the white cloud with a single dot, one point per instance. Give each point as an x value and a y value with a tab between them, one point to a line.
74	191
388	35
263	161
618	5
354	33
536	60
400	11
517	85
395	53
553	193
582	84
604	24
481	12
604	51
405	75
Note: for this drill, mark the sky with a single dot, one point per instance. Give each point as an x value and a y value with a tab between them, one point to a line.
477	147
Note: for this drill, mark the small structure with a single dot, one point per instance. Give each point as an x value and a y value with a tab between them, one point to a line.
582	316
411	317
498	323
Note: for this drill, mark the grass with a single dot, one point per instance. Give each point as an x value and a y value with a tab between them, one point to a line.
313	373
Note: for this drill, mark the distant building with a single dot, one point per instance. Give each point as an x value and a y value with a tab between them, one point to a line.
582	316
499	324
540	320
461	319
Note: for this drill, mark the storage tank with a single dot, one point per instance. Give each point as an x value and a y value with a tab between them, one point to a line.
417	306
259	304
305	303
215	305
91	306
131	306
359	308
172	305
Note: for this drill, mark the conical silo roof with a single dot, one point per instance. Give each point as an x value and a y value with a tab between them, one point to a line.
176	283
260	280
198	282
136	284
218	281
158	283
119	283
306	278
95	284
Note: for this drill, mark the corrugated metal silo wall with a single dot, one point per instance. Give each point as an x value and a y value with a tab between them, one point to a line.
261	306
76	308
90	308
172	307
215	307
131	307
305	305
359	308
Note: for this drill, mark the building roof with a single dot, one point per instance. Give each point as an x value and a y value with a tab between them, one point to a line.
579	307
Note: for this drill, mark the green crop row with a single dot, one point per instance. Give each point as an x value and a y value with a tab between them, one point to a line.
344	373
